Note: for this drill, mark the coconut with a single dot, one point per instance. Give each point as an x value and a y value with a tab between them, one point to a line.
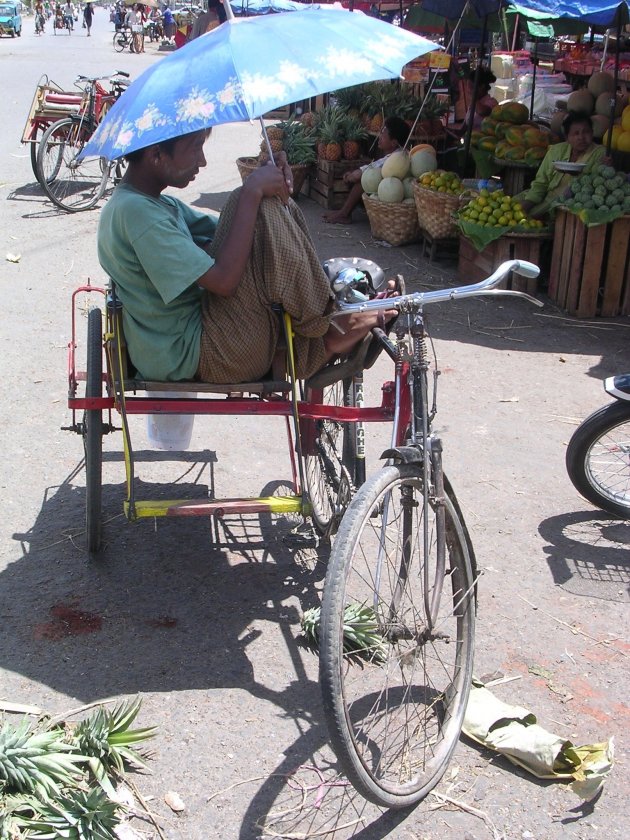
391	190
396	165
601	83
581	102
423	161
602	104
371	178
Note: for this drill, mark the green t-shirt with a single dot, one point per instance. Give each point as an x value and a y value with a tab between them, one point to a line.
150	247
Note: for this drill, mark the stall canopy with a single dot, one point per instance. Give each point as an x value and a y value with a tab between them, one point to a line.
544	24
594	12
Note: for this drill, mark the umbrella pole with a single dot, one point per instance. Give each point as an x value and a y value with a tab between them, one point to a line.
266	139
613	99
469	127
531	101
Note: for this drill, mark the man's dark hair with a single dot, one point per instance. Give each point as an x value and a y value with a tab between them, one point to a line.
575	118
165	145
398	129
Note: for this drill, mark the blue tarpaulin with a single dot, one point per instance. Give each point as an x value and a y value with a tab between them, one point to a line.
596	12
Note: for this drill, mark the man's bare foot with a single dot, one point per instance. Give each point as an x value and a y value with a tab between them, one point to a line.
338	217
347	330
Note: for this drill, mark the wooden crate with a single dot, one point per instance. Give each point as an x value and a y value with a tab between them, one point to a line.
475	265
590	267
327	185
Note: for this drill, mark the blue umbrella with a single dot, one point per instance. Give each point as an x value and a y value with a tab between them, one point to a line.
249	66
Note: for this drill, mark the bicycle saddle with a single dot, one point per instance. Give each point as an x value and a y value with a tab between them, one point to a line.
356	273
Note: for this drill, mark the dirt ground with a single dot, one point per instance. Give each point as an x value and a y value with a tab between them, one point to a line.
202	619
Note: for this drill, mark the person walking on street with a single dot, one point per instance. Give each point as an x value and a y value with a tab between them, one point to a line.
68	15
88	14
136	22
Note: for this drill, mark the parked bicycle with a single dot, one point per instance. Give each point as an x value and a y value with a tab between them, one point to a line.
402	570
598	455
70	183
123	38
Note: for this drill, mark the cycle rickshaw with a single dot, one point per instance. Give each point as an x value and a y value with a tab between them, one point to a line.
396	634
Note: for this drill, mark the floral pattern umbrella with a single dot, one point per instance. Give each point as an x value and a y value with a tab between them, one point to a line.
249	66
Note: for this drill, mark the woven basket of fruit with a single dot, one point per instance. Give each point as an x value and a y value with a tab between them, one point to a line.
396	223
436	210
300	171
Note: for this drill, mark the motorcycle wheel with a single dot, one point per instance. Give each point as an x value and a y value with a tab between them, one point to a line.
598	459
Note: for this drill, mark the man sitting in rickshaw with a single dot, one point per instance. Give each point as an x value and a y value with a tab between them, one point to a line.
197	293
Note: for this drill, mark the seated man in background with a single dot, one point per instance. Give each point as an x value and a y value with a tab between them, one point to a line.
393	136
198	294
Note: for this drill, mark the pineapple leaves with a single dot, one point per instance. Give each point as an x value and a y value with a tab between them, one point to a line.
60	784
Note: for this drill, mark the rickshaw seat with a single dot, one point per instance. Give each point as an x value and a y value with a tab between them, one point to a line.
275	382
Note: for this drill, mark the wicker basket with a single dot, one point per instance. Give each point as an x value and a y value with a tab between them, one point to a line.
246	166
393	223
435	211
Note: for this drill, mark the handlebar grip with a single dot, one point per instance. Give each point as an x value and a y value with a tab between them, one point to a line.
122	73
526	269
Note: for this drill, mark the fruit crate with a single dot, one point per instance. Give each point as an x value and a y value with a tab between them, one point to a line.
590	267
327	185
474	265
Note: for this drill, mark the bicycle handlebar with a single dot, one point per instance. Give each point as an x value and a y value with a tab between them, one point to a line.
92	79
417	300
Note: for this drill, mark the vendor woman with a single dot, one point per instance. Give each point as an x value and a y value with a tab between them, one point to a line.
549	183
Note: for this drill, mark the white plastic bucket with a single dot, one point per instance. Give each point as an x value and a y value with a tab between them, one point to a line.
170	432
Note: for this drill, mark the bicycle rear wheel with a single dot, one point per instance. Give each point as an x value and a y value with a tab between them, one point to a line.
328	460
395	697
77	184
48	159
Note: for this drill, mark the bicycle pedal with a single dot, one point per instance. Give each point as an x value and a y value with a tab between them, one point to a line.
303	536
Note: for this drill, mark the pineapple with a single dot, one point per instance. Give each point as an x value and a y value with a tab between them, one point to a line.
276	136
329	130
376	123
354	133
308	119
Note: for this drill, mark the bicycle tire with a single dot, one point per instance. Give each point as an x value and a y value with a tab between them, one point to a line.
34	148
93	433
598	459
328	464
48	159
78	185
395	707
120	42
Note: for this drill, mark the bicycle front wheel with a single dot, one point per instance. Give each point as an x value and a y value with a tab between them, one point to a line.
77	184
328	460
396	656
598	459
120	42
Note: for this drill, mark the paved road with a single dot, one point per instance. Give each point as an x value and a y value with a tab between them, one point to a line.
202	619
